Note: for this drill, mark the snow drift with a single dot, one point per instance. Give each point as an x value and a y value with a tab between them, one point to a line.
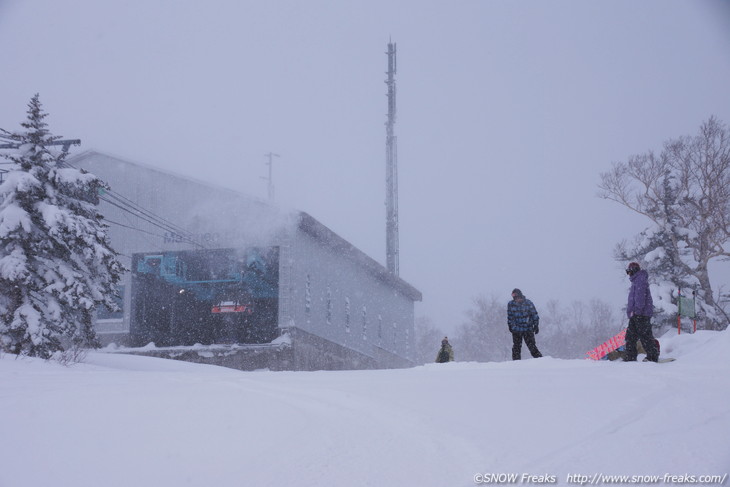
118	420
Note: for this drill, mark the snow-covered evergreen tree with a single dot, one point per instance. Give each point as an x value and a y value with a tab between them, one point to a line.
56	264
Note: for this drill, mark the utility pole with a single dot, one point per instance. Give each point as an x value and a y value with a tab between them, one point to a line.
391	170
10	144
65	143
270	179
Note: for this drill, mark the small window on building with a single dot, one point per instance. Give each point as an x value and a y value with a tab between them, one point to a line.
308	295
329	306
364	323
380	327
347	314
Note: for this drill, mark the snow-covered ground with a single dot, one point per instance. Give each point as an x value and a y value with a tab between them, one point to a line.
119	420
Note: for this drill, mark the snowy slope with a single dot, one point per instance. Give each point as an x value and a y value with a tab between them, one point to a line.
119	420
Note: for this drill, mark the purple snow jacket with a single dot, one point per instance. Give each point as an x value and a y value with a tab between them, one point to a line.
640	302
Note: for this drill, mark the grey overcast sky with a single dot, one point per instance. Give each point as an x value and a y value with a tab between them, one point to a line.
508	111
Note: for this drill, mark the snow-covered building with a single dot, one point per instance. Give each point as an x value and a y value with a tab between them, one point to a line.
220	277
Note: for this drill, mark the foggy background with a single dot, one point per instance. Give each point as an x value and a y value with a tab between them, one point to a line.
507	114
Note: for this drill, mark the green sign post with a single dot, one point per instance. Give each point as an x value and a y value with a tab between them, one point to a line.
686	307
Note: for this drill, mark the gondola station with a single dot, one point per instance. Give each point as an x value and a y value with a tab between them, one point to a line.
216	276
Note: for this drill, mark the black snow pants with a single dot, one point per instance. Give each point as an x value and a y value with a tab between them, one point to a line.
640	329
529	337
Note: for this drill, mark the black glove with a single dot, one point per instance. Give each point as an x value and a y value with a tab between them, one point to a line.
537	329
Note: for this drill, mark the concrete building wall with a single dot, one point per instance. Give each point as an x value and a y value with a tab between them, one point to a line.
336	297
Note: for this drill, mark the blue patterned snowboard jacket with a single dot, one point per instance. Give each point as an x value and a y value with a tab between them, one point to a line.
522	316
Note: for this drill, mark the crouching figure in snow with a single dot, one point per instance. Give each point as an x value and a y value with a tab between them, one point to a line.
446	353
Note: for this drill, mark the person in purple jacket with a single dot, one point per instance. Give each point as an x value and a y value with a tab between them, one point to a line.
639	309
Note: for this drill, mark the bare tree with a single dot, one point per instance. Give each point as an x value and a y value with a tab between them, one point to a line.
564	332
572	331
484	337
685	192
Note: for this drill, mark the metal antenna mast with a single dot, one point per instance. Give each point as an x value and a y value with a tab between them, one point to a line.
270	179
391	171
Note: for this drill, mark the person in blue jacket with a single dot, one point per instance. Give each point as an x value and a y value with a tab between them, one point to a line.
523	322
639	309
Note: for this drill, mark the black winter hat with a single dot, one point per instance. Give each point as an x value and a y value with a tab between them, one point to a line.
516	293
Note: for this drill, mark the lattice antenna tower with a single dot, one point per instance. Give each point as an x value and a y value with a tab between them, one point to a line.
391	170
